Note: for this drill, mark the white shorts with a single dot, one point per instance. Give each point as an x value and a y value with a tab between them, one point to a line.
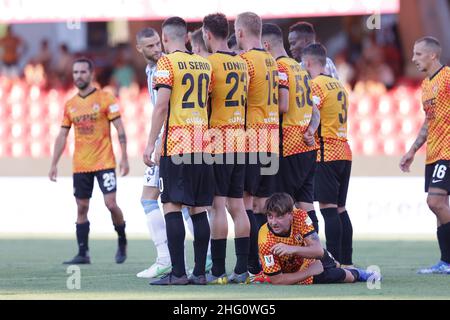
151	176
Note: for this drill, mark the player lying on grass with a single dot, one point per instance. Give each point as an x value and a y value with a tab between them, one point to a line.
290	249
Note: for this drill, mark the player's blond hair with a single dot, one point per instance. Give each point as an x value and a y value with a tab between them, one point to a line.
250	22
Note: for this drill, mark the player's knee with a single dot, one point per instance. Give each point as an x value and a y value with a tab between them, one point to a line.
111	205
83	208
435	203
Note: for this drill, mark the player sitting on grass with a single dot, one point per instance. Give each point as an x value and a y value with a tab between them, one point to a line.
290	249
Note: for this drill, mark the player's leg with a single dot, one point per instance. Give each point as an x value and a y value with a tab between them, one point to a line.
156	225
251	183
347	228
437	184
304	195
219	233
108	184
241	239
326	188
202	233
438	202
83	184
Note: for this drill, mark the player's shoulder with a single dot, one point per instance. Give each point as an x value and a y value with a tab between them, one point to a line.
264	233
300	214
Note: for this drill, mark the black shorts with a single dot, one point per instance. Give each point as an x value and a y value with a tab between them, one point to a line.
437	175
296	176
190	184
330	274
261	177
83	182
229	177
331	181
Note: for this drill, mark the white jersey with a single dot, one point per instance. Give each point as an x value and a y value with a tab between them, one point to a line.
151	175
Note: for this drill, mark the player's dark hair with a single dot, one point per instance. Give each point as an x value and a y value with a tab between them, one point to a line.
303	27
178	24
318	51
280	204
145	33
217	24
231	42
197	39
85	60
271	29
429	41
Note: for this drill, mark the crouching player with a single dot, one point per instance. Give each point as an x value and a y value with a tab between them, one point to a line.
290	249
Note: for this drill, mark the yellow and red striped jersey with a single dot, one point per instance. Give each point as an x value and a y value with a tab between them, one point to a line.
436	103
295	122
262	121
188	76
332	132
228	100
272	264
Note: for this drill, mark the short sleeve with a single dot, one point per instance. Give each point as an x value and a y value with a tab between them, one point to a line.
67	121
318	95
112	107
283	76
164	74
250	67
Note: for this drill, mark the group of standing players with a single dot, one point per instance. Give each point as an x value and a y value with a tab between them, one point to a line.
246	130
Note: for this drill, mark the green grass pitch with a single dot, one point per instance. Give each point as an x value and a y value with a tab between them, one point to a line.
32	269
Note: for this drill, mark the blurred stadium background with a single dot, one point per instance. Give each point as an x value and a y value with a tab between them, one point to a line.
370	42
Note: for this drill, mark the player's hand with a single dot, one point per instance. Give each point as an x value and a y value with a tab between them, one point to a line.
124	167
53	173
158	149
308	137
406	161
147	157
315	268
282	249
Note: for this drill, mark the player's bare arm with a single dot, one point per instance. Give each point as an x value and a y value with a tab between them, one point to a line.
308	136
408	158
124	166
60	144
313	269
158	117
313	249
283	100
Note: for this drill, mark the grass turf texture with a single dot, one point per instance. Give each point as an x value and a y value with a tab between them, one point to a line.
32	269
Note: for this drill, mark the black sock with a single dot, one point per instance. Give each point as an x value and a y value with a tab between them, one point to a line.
242	246
261	219
315	221
443	234
83	238
175	241
253	258
201	240
333	231
218	254
347	239
355	274
122	241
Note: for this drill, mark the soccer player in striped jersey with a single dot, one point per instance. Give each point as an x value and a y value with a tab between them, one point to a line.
436	132
262	125
228	100
299	120
334	157
183	82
